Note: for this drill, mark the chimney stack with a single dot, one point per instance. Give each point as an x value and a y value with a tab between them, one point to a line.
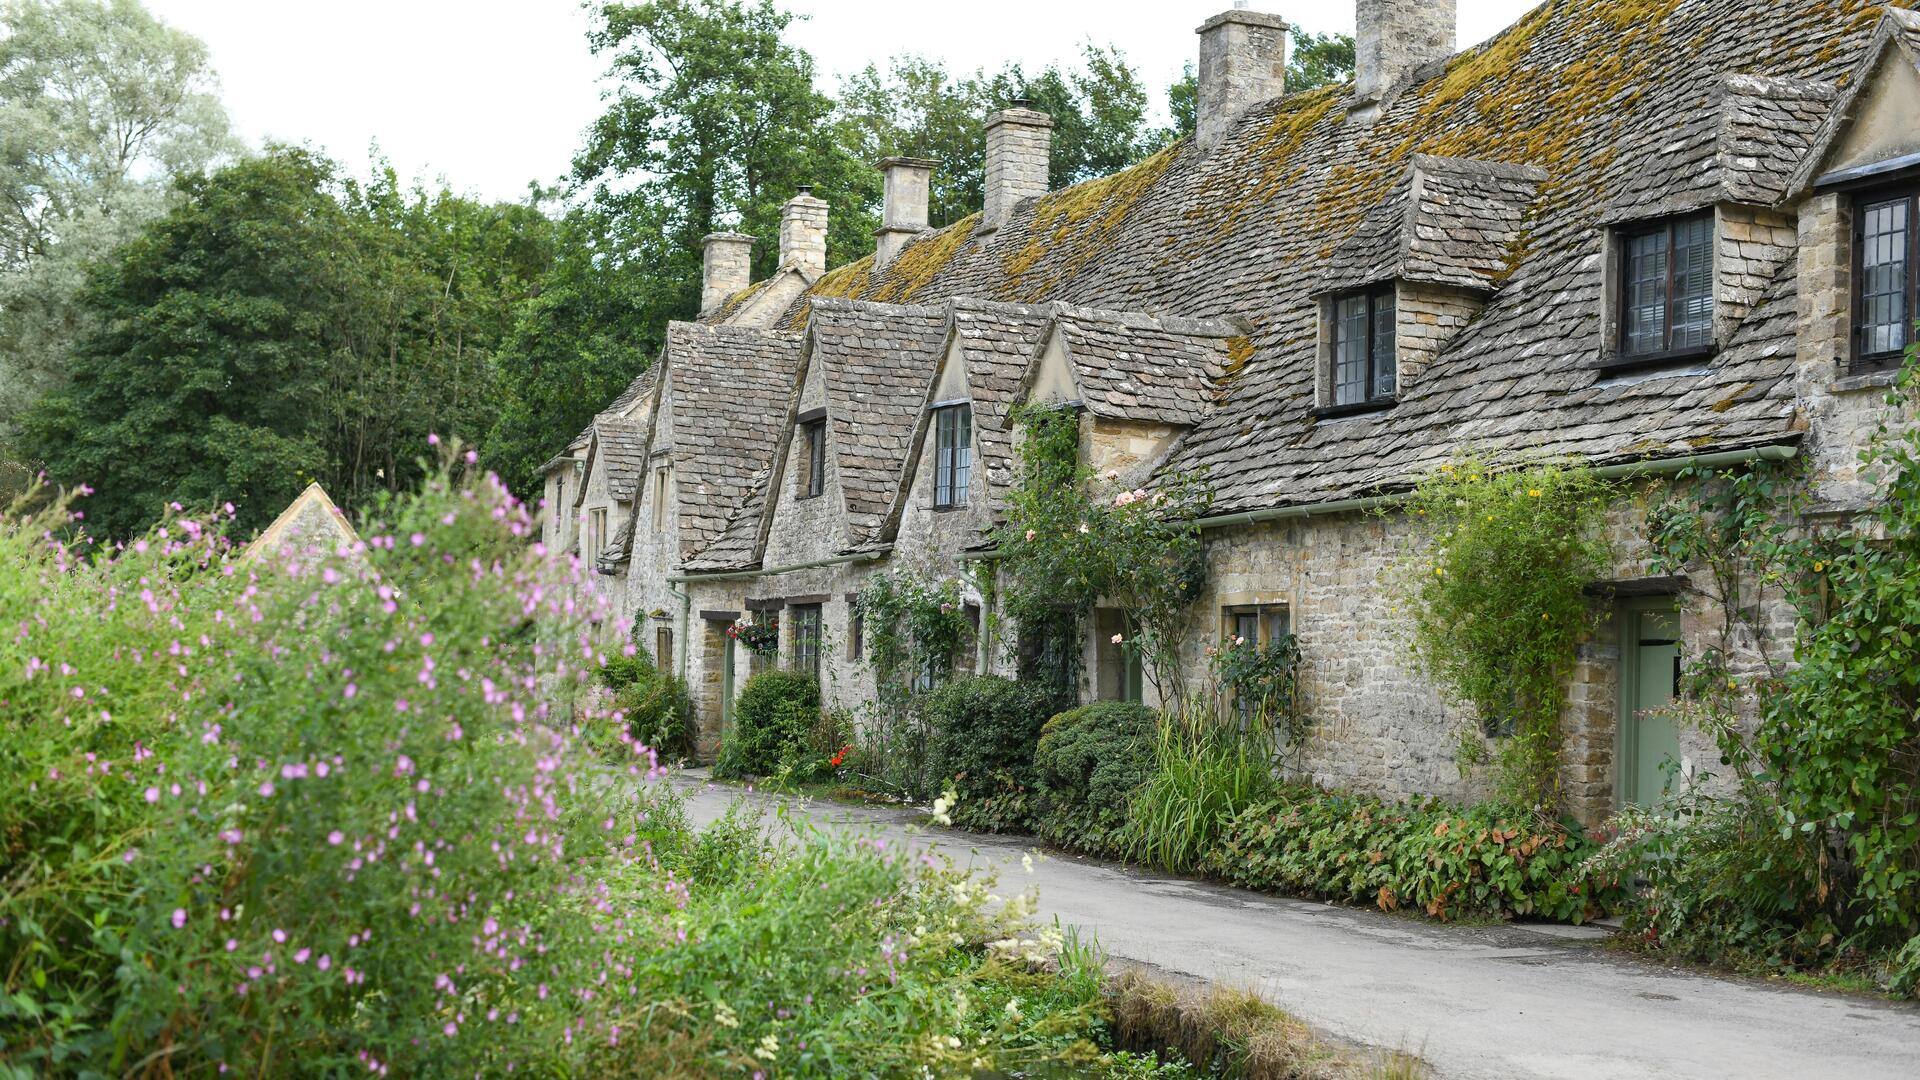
907	183
726	267
1393	38
1243	61
803	233
1019	148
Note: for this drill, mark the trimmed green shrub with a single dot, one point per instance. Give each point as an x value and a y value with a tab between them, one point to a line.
659	714
1446	861
984	732
1088	764
774	722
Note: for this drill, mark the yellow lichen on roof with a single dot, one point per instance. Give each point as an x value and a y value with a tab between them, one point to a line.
1229	199
1103	202
1239	350
923	259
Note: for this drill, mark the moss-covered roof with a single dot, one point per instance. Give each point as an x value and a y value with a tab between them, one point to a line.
1586	91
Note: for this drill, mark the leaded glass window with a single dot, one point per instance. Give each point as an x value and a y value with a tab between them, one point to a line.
1667	287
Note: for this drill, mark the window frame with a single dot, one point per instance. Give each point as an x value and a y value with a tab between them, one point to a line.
1859	361
807	631
1624	236
952	461
663	647
661	476
1371	395
813	480
596	534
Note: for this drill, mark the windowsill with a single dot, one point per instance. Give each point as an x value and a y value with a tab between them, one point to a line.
949	509
1611	363
1869	379
804	498
1358	408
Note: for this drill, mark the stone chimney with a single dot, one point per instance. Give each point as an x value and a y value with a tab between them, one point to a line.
907	185
1243	61
726	267
1019	147
803	233
1393	38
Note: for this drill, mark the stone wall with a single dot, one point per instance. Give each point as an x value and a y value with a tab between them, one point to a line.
1427	318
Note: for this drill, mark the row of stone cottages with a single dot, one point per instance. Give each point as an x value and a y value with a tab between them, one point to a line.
1633	234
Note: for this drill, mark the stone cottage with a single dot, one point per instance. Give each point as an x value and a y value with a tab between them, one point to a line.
1636	233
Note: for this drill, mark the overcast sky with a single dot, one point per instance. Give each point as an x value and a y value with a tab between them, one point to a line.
493	93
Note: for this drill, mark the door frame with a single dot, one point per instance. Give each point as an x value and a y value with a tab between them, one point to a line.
726	682
1628	613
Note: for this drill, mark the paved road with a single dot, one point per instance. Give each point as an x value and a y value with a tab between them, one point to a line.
1499	1001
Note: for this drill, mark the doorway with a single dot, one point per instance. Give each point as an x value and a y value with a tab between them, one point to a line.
1649	740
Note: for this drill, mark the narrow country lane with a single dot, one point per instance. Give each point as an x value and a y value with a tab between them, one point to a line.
1499	1001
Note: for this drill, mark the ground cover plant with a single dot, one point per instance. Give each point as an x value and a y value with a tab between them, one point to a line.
309	813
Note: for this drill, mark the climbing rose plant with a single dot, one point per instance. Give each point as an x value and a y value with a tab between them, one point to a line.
1072	539
1497	601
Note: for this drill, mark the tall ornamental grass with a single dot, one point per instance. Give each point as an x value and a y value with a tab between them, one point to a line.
1207	770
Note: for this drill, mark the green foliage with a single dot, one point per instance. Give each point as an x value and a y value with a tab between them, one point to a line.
1071	538
658	713
1207	770
911	628
102	106
1263	681
626	668
1087	766
1498	603
1445	861
282	325
983	730
774	722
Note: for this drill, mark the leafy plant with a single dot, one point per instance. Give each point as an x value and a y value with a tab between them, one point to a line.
1087	766
775	722
658	713
1498	601
1263	681
759	635
984	729
912	630
1071	538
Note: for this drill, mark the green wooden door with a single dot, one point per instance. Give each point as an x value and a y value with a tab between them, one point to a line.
726	684
1650	679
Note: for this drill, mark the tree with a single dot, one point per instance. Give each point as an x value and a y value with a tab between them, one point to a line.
101	106
280	325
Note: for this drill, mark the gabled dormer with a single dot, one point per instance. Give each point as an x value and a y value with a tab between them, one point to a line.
1694	237
1138	381
1413	275
1859	191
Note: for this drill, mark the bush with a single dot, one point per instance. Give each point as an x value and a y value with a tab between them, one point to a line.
1445	861
775	723
1206	770
1088	764
658	714
984	729
621	671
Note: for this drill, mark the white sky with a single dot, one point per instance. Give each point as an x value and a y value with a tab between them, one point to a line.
491	94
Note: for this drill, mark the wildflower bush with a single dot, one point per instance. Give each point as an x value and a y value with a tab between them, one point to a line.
1445	861
1498	602
984	730
776	723
1087	765
307	814
1071	539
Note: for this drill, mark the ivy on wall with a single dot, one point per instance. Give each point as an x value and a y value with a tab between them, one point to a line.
1498	603
910	628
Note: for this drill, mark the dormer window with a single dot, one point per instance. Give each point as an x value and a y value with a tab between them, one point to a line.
1888	247
1363	347
953	455
1666	288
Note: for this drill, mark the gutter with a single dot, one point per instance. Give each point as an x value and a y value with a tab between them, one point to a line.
1627	471
741	575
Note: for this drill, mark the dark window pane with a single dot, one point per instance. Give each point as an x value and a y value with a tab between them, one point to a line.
1644	319
962	452
1692	303
1383	359
953	455
1350	351
1885	240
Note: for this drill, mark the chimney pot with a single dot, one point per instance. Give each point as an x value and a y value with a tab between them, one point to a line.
803	233
907	187
1019	149
1243	61
726	267
1392	38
